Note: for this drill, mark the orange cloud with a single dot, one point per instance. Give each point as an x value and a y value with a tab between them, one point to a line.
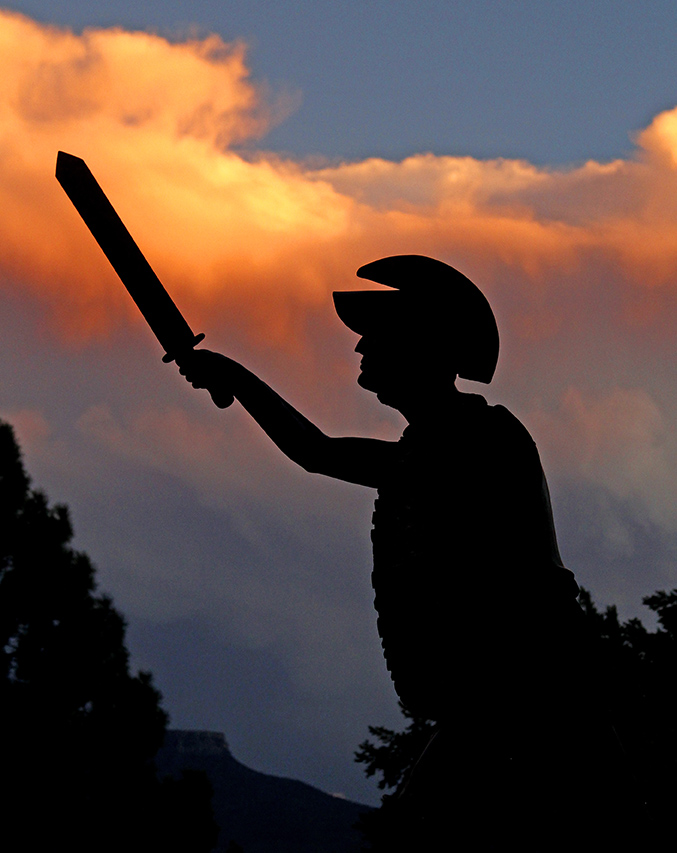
265	239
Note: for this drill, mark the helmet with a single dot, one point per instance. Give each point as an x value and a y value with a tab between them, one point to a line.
431	300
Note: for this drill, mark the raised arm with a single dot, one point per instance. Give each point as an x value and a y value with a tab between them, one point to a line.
356	460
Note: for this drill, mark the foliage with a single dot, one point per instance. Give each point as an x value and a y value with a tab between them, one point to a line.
392	756
395	756
637	671
78	731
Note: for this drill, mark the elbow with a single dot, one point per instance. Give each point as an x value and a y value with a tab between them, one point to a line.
309	462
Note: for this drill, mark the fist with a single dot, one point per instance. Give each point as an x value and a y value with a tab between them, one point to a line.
211	370
199	366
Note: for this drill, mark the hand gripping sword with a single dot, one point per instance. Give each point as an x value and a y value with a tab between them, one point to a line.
145	288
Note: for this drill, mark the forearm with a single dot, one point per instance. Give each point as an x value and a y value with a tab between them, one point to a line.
357	460
296	436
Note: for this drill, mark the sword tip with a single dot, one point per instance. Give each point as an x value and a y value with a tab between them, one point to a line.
67	163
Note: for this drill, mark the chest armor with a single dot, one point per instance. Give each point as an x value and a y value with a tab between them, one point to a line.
412	575
462	529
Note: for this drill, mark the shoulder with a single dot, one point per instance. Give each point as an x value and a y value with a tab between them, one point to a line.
474	409
505	420
506	443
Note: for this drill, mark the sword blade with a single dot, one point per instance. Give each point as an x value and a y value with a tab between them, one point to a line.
145	288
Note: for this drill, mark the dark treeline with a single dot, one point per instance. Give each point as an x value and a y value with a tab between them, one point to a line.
78	730
637	670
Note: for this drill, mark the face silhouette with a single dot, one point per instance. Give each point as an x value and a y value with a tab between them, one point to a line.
388	366
404	367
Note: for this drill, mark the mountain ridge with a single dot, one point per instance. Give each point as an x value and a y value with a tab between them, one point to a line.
257	811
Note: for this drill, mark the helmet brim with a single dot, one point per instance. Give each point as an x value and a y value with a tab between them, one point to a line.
368	311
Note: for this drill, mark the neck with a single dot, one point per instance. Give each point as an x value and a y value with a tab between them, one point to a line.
425	403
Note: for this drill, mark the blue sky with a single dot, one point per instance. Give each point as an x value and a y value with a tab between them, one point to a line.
554	83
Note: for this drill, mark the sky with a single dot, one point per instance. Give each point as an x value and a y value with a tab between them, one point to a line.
260	153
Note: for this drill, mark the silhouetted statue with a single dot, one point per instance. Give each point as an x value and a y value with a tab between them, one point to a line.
478	617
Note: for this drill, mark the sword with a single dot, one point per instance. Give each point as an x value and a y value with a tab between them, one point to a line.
157	306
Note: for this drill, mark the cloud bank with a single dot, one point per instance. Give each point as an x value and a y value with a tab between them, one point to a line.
580	263
159	123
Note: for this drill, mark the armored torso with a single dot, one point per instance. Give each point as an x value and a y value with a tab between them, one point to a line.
462	529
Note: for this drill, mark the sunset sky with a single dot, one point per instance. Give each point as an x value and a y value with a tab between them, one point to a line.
260	153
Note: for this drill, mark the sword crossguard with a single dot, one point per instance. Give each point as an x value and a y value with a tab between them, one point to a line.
169	357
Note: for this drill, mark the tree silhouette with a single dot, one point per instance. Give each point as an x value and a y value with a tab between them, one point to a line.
638	670
392	757
640	673
78	731
396	755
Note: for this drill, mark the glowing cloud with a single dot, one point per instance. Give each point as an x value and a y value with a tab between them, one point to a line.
157	122
258	242
154	120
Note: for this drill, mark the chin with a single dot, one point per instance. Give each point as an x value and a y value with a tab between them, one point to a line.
363	382
388	396
387	400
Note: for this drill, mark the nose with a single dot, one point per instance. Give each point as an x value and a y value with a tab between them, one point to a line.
360	346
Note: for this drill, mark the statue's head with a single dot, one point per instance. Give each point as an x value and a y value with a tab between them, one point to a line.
434	321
